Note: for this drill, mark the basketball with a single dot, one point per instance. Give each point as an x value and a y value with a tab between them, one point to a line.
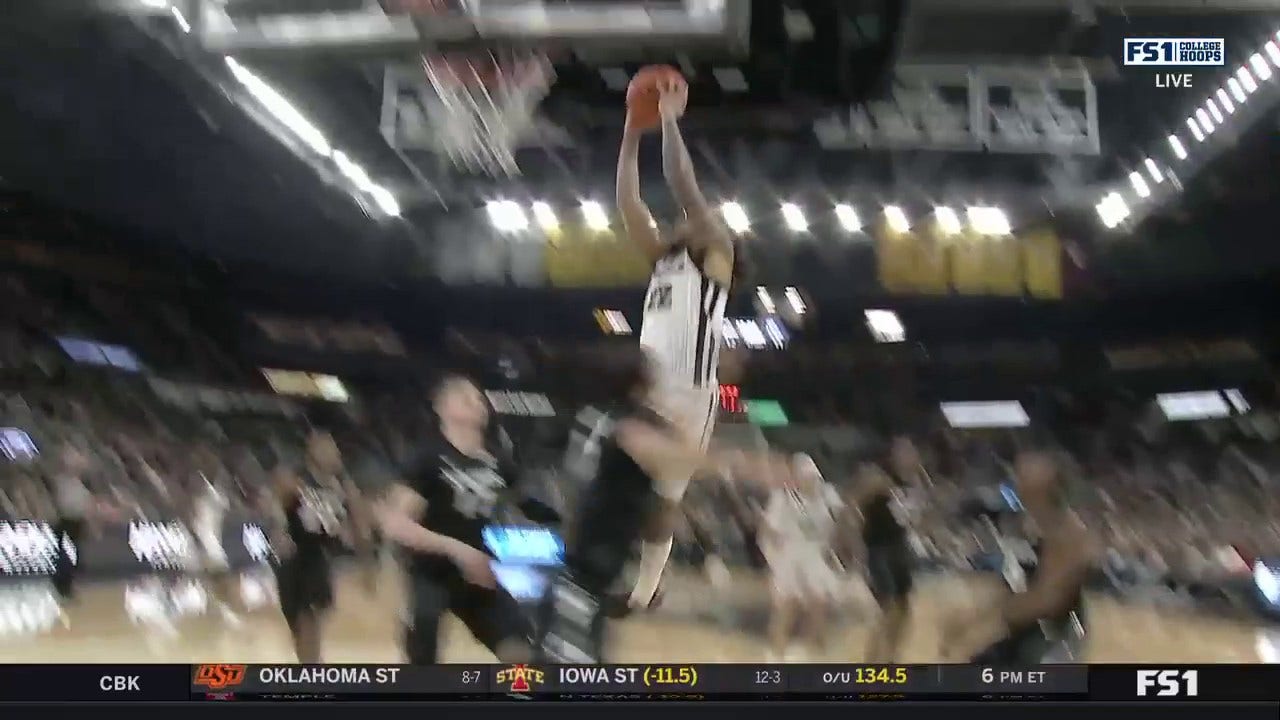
642	94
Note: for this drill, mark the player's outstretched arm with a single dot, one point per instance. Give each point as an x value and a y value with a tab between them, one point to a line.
709	234
636	218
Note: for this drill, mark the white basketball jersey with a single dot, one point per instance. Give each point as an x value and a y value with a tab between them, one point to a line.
805	517
683	321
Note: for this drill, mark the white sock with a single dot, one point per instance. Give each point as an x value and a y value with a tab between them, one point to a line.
653	558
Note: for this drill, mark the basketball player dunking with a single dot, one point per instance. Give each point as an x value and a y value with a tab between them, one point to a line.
693	272
630	449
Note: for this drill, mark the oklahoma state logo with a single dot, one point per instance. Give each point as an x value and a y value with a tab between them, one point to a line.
521	678
218	677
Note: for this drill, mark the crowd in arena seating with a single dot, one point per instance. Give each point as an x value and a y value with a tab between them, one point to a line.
1170	502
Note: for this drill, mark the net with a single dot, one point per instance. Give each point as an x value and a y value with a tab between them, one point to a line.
484	104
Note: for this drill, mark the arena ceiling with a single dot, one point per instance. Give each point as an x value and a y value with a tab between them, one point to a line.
122	113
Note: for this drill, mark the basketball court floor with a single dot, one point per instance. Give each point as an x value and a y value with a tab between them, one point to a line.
150	621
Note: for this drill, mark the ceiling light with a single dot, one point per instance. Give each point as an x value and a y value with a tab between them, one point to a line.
1139	184
988	220
544	215
1225	101
285	112
178	18
948	221
1205	122
1154	170
1260	66
794	217
735	217
506	215
352	171
896	219
1246	79
848	218
1112	210
1214	111
795	300
1194	127
765	300
385	200
885	326
1273	52
1237	91
1178	148
594	215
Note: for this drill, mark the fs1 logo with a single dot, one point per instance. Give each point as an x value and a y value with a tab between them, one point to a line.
1169	683
1207	52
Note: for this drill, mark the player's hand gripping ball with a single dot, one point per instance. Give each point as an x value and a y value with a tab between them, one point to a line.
654	91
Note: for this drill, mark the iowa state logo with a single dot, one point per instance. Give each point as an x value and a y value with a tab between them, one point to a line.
520	678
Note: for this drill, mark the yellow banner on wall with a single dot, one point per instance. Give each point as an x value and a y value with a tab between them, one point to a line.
1042	264
928	262
911	263
577	257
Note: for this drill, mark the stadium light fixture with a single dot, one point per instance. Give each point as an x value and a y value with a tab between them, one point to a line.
1213	110
180	19
885	326
352	171
594	216
1237	91
1139	184
1194	127
848	218
1246	79
281	108
507	216
544	215
735	217
1273	52
765	300
796	302
1225	100
896	219
1205	122
1154	170
1177	146
1113	210
794	218
988	220
385	200
947	219
1260	66
295	122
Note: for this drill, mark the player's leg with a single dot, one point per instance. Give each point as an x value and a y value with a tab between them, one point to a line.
570	626
889	575
496	620
694	413
820	589
305	593
785	595
428	601
656	539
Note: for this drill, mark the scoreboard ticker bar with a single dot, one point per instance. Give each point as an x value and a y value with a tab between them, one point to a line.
141	683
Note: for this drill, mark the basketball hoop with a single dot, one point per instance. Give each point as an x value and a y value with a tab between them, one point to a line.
483	103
